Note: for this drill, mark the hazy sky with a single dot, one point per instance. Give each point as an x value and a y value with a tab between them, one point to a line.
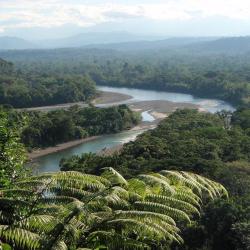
167	17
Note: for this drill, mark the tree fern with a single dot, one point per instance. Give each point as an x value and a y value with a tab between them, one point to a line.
71	209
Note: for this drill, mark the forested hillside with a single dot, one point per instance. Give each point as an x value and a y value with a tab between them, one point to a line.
202	143
22	90
206	75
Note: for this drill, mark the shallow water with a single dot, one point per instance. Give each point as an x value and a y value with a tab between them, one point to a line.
51	162
210	105
146	117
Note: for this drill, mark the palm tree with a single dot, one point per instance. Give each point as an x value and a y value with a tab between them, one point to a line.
72	210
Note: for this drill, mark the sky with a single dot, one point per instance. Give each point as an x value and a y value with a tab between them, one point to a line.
58	18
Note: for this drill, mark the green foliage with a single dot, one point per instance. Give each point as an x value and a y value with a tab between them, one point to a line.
203	143
208	75
186	140
5	67
70	210
45	129
242	118
12	153
22	91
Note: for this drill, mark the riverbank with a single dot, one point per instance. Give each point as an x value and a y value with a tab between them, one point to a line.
107	97
161	106
32	156
60	147
144	126
158	109
103	98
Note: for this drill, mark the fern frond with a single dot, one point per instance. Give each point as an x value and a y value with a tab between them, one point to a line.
114	177
115	201
173	202
83	248
57	209
176	214
137	188
115	241
21	237
8	202
176	176
188	196
155	180
59	245
17	192
145	215
204	189
87	185
71	192
165	224
38	223
73	175
142	229
57	200
216	189
51	209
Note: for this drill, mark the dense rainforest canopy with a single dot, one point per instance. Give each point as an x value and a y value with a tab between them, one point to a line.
22	91
43	129
202	143
206	75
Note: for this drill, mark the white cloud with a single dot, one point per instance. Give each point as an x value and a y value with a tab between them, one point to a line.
50	13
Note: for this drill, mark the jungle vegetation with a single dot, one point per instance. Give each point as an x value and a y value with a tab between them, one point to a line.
221	76
42	129
71	210
206	144
74	210
31	90
161	191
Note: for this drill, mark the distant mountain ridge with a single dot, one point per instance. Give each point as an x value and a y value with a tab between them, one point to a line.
92	38
121	41
228	45
101	40
11	43
149	45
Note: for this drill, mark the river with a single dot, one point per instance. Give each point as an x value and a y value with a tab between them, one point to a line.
51	162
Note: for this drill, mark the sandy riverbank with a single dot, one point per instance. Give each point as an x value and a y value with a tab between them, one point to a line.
60	147
103	98
161	106
160	109
111	97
